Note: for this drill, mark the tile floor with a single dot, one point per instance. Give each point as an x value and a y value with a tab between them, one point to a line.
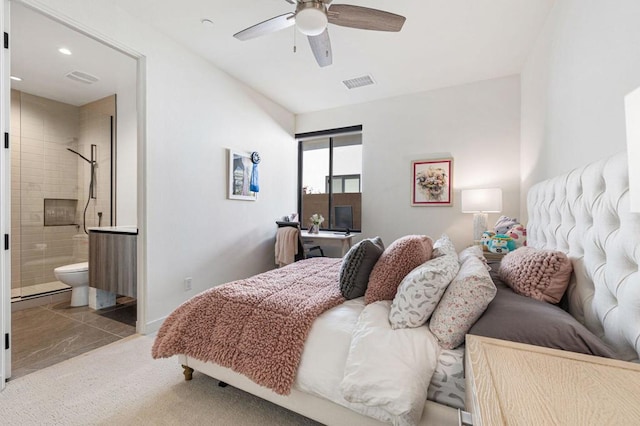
45	335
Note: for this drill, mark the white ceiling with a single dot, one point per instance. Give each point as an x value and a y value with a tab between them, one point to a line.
443	43
35	41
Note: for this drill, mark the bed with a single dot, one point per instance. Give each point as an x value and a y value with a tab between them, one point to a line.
584	214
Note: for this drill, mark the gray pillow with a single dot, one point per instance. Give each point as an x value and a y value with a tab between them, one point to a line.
357	265
517	318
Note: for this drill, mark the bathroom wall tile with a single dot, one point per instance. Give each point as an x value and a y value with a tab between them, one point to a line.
16	148
32	230
15	111
32	258
28	278
31	175
15	205
32	129
31	146
16	278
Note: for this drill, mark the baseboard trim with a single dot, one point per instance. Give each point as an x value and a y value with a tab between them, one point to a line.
153	326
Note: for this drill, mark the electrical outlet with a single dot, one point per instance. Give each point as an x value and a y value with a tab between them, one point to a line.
187	283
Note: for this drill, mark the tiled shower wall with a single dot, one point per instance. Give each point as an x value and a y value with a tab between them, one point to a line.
95	128
42	167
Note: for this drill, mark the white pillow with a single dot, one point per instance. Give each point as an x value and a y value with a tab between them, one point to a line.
442	246
389	369
473	251
421	290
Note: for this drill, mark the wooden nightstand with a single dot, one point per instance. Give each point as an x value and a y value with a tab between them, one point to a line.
516	384
492	256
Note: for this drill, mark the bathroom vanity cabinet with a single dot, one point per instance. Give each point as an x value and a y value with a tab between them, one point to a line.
112	259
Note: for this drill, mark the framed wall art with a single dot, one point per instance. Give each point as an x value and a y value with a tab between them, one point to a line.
432	182
240	172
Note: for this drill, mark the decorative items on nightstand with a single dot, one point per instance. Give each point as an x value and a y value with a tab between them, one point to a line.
501	244
480	202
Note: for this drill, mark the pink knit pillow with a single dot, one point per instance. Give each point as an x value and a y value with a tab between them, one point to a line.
400	258
539	274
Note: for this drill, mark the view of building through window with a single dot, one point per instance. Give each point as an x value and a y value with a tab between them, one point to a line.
331	180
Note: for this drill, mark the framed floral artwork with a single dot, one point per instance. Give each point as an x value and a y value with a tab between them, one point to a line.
432	182
240	172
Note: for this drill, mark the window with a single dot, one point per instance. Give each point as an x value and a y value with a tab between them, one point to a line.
330	178
344	183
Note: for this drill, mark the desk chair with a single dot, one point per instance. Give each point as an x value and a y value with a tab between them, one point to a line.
303	251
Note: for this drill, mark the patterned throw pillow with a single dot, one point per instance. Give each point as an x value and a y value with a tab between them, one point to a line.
473	251
357	266
396	261
539	274
466	298
442	246
421	290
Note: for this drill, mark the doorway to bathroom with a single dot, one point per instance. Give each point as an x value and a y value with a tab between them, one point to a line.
74	166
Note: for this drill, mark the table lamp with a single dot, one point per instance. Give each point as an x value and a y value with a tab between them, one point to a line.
480	202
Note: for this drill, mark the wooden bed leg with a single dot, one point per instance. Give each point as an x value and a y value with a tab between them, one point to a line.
188	373
223	384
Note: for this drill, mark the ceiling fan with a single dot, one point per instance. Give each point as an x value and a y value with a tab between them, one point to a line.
312	16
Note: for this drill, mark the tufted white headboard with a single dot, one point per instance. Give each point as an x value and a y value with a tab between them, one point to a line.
585	213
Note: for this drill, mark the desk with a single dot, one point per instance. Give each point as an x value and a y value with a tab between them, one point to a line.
516	384
328	237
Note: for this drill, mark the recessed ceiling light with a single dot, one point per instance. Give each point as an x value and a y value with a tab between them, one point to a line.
64	51
13	77
206	22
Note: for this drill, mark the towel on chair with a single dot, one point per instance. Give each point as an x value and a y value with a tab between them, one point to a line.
286	245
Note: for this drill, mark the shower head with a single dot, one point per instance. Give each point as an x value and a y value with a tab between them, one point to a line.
81	156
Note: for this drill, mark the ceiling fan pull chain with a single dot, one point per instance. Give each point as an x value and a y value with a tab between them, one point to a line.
295	47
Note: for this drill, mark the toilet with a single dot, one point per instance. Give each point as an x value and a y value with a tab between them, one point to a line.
77	276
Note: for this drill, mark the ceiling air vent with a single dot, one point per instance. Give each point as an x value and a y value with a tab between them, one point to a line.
359	82
82	77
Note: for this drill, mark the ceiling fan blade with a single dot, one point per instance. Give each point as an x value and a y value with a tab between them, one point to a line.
321	47
347	15
269	26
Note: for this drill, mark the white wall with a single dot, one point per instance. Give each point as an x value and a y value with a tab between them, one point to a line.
126	155
573	86
194	112
477	124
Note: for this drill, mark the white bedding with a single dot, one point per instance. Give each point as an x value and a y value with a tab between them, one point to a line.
336	367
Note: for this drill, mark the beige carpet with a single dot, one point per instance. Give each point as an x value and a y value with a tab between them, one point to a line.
120	384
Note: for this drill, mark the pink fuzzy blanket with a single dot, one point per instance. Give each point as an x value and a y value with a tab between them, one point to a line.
256	326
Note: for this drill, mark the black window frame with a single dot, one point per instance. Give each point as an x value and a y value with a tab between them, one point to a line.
331	133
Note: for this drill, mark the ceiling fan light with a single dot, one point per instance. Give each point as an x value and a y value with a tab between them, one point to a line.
311	21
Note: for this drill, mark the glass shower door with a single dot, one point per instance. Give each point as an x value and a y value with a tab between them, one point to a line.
54	193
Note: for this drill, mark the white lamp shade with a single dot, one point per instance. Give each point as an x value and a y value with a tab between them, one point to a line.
632	112
311	21
482	200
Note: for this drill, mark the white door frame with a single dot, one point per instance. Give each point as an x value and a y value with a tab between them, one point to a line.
5	201
5	170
